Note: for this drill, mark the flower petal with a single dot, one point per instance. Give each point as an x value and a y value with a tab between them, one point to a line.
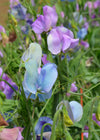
30	77
41	122
39	25
77	110
47	77
50	17
34	53
54	42
66	42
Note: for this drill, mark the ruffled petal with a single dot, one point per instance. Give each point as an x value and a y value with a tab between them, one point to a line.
47	77
74	43
65	31
54	42
66	42
39	25
50	17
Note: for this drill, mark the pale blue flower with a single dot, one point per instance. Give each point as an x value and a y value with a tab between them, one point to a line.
36	80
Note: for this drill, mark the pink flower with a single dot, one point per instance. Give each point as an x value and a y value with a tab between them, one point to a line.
62	14
11	134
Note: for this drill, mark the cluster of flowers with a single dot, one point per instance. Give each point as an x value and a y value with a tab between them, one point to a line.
40	79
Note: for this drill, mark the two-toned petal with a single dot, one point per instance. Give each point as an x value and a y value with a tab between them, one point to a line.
54	42
47	77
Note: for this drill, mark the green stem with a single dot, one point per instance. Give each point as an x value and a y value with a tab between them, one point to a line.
54	124
43	130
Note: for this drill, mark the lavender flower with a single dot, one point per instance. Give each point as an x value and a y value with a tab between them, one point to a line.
18	11
13	3
61	39
85	44
44	59
46	21
94	118
5	88
73	88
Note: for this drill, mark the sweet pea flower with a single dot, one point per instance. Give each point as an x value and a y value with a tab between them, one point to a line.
86	133
95	119
33	3
18	11
74	109
13	3
11	134
62	14
96	4
35	80
82	33
61	39
73	88
86	127
1	54
85	44
44	59
41	122
5	88
46	21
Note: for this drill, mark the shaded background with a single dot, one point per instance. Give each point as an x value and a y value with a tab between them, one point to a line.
4	5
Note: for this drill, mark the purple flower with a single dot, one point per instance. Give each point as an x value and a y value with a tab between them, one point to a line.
96	4
62	14
33	3
1	54
46	21
19	12
86	127
5	88
94	118
13	3
44	59
61	39
41	122
39	25
88	4
86	134
85	44
73	88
